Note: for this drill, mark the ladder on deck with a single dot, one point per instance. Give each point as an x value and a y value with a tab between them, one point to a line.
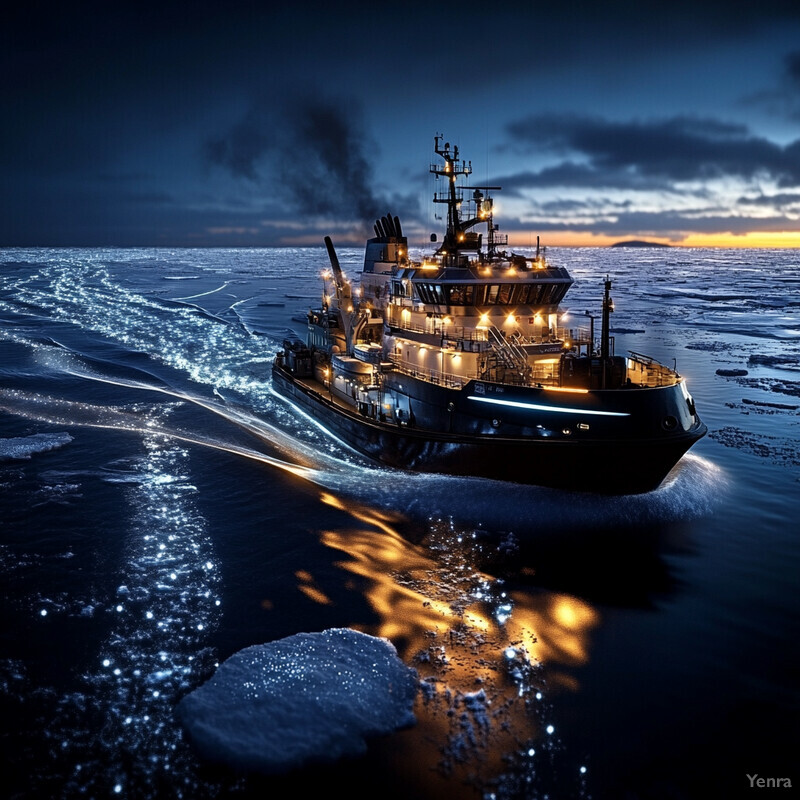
507	361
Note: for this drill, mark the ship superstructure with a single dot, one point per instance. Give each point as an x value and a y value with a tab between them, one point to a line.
463	362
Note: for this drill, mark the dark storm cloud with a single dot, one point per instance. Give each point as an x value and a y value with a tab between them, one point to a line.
677	225
782	200
599	208
793	68
792	93
570	174
571	206
121	88
674	225
676	149
783	98
244	145
313	152
324	164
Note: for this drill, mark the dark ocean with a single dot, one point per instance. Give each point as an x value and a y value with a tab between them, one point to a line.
161	509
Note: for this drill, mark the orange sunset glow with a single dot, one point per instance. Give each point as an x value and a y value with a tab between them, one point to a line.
756	239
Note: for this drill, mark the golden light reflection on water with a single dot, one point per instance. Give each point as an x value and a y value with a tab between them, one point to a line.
483	653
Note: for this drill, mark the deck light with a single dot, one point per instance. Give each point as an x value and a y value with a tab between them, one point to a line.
565	389
556	409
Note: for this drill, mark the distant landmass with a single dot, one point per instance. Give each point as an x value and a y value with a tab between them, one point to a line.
639	243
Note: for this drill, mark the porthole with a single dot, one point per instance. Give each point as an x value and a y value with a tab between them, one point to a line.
495	423
669	423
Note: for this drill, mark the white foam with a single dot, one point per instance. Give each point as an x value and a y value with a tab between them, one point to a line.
692	490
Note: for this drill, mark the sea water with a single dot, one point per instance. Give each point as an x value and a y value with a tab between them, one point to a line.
162	509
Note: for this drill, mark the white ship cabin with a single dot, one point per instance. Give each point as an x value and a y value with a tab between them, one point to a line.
492	320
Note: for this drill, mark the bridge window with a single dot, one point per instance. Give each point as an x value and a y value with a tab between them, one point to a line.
460	294
399	289
503	294
430	293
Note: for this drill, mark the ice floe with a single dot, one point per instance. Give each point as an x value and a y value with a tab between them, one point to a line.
23	447
311	697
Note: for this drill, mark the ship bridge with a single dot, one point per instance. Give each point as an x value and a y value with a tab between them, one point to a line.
498	290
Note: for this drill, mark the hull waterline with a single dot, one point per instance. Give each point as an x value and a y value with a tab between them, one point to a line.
588	465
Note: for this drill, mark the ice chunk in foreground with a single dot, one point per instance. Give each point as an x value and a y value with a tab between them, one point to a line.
309	697
24	447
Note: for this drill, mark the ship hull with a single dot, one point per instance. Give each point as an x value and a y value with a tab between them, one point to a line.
491	431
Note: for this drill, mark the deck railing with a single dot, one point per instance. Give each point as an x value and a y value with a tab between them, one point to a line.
433	375
574	335
538	375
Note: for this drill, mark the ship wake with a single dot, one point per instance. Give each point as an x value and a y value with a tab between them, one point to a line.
692	490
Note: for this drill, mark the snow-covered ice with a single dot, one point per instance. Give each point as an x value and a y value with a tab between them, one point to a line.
24	447
311	697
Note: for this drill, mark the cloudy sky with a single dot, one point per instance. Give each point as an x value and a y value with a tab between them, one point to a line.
186	124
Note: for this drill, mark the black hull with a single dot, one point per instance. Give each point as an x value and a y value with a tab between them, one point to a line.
620	465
